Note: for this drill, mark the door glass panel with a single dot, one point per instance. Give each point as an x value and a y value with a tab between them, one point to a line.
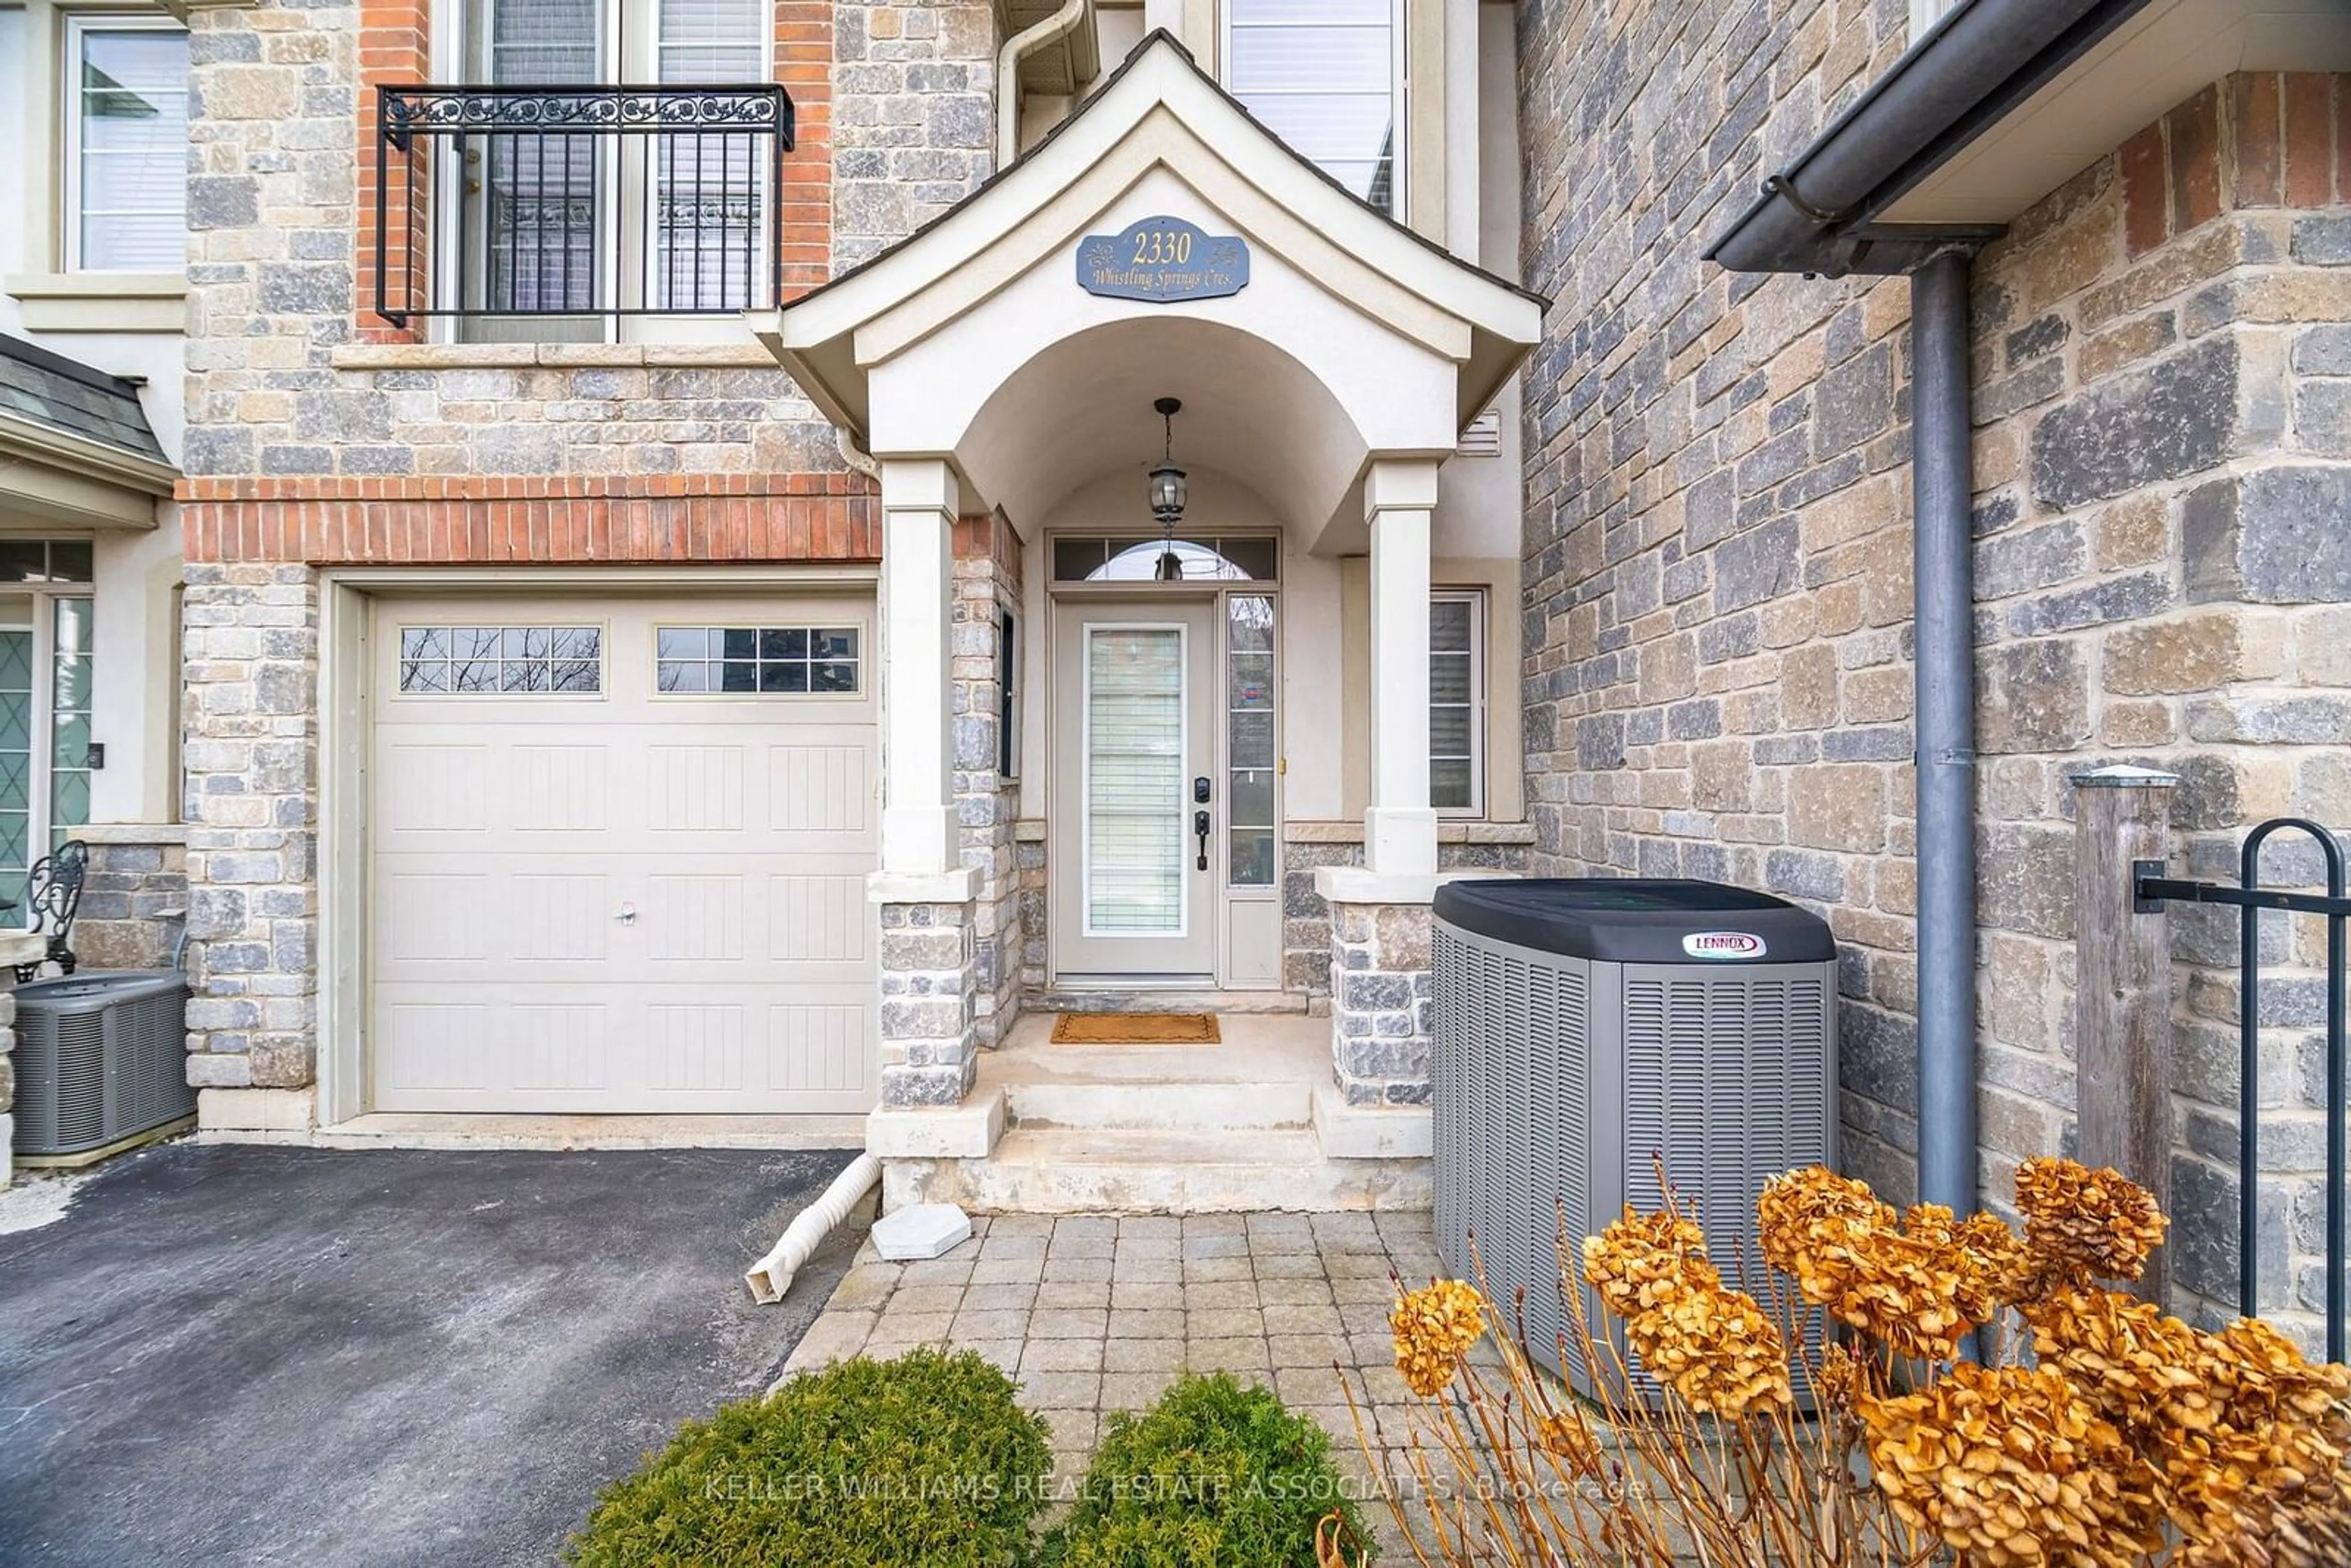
15	762
1135	781
70	706
1249	697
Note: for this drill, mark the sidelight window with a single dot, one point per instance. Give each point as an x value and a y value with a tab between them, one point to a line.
1457	708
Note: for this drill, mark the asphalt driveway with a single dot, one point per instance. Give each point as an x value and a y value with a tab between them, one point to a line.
237	1355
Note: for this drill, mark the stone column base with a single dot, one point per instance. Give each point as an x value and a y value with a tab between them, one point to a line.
1382	1004
246	1115
7	1087
929	978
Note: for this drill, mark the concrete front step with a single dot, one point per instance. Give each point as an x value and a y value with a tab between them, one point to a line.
1174	1106
1080	1170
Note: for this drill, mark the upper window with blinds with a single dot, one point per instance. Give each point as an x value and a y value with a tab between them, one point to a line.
1327	76
126	104
570	228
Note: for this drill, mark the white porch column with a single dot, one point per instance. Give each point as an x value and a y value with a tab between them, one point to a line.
918	817
1399	826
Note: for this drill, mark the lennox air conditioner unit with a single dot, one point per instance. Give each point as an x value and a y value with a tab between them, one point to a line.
100	1059
1586	1029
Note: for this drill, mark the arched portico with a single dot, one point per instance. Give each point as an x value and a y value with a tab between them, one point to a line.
992	375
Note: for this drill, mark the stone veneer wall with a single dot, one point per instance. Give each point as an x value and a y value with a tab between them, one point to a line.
134	901
1717	656
987	583
250	764
1383	1002
913	116
2164	576
1306	929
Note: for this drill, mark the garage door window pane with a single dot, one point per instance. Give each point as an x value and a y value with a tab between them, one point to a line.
474	659
766	660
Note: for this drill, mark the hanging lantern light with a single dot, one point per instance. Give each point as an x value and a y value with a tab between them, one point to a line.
1167	496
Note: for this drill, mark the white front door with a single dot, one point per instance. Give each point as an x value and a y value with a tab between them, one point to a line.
618	856
1134	779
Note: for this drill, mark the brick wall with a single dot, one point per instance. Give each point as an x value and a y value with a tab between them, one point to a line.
1717	647
317	435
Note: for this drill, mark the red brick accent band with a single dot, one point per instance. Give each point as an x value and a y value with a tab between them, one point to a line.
668	519
990	538
804	67
2264	139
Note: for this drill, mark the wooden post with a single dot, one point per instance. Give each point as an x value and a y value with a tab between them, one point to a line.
2122	987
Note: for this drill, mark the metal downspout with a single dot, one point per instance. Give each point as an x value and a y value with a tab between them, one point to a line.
1941	503
1019	47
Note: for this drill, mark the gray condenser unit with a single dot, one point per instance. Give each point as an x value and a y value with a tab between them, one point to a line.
1586	1028
100	1057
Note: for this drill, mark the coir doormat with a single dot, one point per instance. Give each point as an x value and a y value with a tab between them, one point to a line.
1135	1029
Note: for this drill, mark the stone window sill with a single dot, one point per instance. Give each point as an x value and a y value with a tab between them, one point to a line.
101	301
1450	830
132	833
497	355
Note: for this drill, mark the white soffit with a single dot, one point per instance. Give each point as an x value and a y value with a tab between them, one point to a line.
2149	66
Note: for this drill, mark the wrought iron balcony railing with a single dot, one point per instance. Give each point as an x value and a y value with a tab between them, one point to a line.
578	203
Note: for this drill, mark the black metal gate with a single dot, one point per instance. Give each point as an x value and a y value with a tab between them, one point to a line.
2151	889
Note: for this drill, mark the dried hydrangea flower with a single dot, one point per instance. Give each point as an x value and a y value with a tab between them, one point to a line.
1567	1438
1916	1292
1716	1349
2266	1486
2098	1223
2012	1469
1434	1330
1837	1381
2137	1367
1804	1212
1644	1259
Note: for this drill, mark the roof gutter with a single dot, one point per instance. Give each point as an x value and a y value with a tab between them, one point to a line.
1017	47
46	445
1978	63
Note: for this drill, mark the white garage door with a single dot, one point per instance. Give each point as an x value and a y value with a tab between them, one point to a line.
619	854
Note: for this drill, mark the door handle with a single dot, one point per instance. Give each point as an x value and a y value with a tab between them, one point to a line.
1200	826
627	916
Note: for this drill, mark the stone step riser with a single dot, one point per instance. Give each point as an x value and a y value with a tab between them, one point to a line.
1022	1187
1204	1107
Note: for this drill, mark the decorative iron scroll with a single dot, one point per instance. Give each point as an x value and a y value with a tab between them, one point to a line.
606	110
579	202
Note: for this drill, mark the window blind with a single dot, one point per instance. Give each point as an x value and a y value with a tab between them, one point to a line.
1135	781
1320	75
133	170
1453	703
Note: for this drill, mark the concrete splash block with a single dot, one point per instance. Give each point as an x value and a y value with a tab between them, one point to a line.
925	1230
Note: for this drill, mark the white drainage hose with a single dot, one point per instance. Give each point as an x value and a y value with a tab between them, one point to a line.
771	1276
